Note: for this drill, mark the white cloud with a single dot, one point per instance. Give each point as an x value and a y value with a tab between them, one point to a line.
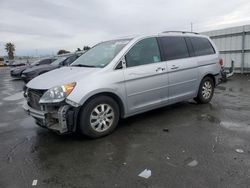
48	25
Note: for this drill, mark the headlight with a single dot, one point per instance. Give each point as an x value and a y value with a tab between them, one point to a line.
57	94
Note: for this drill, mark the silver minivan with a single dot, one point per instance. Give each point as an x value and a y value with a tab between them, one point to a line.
123	77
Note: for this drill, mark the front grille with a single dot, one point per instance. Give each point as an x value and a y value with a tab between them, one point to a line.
33	97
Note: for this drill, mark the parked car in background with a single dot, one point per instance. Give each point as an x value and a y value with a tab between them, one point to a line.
35	71
17	64
120	78
8	62
17	72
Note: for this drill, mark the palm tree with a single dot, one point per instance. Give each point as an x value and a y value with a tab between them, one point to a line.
10	48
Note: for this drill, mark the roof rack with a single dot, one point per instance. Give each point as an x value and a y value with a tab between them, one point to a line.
183	32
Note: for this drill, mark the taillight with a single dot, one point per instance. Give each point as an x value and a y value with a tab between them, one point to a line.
221	62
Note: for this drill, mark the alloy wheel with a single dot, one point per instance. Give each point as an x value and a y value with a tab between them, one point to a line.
102	117
206	90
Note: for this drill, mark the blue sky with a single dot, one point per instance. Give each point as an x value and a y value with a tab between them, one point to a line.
43	27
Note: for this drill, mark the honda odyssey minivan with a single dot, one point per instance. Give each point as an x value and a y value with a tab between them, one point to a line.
123	77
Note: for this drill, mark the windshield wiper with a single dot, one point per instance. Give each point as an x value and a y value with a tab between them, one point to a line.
81	65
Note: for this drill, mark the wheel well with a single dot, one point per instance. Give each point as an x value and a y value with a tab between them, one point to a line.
211	76
113	96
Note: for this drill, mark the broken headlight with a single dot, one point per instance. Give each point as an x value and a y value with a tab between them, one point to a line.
57	94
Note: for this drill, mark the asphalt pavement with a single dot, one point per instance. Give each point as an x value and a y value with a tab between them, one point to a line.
183	145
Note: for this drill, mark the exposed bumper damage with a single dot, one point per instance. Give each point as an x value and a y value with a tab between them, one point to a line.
226	74
62	119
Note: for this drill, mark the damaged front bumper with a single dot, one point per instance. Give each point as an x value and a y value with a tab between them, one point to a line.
61	119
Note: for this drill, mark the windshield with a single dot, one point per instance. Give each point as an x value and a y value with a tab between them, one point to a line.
101	54
42	62
58	61
35	62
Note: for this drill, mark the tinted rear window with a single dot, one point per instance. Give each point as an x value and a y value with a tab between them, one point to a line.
202	46
173	47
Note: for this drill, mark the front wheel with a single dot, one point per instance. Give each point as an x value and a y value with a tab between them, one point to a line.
206	91
99	117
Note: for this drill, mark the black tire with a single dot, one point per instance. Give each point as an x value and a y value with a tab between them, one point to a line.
201	99
85	127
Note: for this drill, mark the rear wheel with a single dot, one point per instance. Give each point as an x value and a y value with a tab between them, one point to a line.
206	91
99	117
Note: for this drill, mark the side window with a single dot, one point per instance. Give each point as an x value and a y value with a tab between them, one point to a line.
144	52
190	47
174	47
70	60
202	46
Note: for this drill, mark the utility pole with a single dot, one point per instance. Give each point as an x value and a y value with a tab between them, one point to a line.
191	24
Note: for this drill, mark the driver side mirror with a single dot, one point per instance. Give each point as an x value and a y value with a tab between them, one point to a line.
121	64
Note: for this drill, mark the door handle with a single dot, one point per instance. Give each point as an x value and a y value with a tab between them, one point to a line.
174	67
160	69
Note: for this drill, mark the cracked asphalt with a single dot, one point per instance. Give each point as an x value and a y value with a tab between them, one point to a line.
184	145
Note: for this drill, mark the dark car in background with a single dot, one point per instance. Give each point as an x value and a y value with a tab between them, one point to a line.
17	64
64	60
17	72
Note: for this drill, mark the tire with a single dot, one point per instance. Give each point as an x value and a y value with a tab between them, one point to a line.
95	127
206	91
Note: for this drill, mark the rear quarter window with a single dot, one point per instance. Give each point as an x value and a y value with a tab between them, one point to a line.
202	46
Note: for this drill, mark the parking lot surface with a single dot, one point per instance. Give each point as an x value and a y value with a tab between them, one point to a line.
184	145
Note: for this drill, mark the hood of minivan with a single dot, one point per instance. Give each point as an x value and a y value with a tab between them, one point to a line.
60	76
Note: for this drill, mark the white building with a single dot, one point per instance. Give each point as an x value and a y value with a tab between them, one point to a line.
233	44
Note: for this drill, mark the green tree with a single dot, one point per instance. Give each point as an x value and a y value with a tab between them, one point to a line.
78	49
62	52
85	48
10	49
